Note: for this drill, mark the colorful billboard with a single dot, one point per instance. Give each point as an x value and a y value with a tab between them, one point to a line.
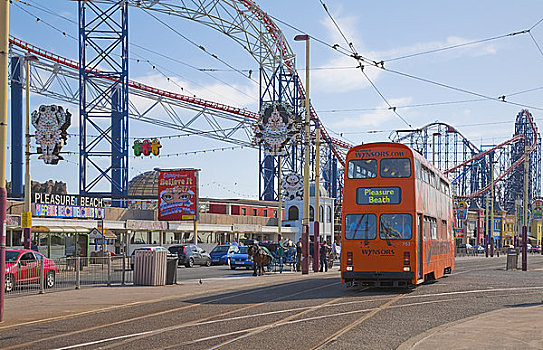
178	195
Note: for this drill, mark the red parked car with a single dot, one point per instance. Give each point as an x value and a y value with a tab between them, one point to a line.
23	266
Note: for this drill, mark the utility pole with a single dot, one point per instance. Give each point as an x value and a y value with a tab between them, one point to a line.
487	231
4	52
305	218
280	209
492	207
525	212
28	183
316	223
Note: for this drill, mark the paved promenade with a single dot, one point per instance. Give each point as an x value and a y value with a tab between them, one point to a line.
519	327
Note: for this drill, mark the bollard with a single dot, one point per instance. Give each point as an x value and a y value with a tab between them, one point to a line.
108	269
42	275
124	268
77	273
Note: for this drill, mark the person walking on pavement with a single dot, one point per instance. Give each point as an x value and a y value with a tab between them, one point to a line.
299	255
280	255
323	252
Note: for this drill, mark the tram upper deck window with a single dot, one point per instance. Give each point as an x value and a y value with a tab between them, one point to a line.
395	226
395	167
362	169
360	226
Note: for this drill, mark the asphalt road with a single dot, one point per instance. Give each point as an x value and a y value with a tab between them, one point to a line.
311	312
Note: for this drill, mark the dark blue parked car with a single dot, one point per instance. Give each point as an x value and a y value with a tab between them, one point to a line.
240	259
219	254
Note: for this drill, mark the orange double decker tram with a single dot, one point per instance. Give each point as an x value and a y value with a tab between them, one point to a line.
397	218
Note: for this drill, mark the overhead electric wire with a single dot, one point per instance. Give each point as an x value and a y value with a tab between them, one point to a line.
141	58
537	23
198	46
381	64
456	46
361	59
536	44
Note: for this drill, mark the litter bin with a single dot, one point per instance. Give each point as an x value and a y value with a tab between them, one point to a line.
512	260
171	270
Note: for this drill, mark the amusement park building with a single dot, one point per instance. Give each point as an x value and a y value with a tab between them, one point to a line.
124	229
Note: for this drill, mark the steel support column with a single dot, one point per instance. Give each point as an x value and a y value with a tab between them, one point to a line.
103	46
16	127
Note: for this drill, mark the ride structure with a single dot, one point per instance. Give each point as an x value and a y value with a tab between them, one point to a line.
469	168
105	108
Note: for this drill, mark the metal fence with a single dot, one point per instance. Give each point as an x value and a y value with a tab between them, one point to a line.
69	273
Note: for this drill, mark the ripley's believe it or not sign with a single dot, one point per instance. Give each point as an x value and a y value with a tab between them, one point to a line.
178	195
68	206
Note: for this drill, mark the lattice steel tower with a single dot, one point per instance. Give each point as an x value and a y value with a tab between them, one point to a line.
103	100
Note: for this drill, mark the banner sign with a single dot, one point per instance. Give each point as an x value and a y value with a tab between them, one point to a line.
178	195
69	211
461	211
67	199
378	195
13	221
537	208
26	219
146	225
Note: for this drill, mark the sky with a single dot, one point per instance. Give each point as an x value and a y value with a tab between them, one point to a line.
431	74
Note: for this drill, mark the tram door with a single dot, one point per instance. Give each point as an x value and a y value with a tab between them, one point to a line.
419	246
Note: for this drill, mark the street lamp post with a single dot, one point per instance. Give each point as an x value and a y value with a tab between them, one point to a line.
27	231
305	218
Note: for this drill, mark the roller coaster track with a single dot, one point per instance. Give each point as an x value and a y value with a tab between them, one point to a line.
513	166
420	137
244	117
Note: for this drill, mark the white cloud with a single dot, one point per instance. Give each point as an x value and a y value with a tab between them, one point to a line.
342	80
374	119
233	95
479	49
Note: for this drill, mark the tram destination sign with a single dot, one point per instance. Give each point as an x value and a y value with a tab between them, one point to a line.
378	195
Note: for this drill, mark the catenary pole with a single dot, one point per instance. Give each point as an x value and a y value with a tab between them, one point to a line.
4	53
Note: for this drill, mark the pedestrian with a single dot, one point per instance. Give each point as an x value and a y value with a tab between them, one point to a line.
323	256
280	255
299	255
334	248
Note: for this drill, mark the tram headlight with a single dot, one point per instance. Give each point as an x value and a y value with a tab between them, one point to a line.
407	268
349	268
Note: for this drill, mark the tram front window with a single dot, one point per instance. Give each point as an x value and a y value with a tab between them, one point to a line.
360	226
395	226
